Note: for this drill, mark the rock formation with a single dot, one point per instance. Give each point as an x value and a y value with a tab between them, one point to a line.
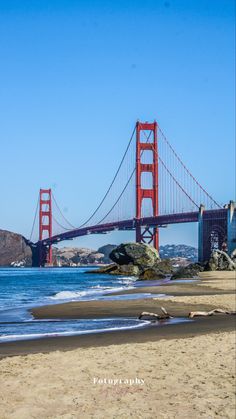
138	254
221	261
137	259
190	271
14	250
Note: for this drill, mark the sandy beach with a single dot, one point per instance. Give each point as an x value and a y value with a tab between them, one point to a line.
178	371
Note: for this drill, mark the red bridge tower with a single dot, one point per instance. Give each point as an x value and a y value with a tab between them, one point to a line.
146	234
45	224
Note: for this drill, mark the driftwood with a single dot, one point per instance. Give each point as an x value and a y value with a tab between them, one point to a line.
165	315
210	313
154	316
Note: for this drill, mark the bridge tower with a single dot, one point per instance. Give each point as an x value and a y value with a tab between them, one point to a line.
147	234
216	230
45	225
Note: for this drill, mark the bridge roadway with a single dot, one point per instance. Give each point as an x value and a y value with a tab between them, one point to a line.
161	220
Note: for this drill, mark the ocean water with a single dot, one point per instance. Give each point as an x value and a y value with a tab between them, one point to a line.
24	288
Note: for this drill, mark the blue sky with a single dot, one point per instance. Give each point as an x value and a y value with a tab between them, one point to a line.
76	75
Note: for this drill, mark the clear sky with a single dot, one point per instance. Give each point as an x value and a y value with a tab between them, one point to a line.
76	75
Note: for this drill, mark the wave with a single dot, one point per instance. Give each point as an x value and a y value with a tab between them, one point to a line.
33	336
93	291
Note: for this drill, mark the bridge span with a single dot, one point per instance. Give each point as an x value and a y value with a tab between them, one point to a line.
157	177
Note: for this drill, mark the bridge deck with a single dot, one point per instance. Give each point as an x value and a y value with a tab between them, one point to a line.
188	217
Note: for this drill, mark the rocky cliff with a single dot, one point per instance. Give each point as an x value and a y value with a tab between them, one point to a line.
14	250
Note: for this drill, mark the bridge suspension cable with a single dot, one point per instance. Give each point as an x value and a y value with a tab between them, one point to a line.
61	213
125	187
34	221
112	182
68	225
186	169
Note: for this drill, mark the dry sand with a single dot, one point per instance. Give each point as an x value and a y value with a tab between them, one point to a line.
219	280
190	377
224	301
183	378
224	281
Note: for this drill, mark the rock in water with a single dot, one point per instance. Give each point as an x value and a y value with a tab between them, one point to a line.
141	255
14	250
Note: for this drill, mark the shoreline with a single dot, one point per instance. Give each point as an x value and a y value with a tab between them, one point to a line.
154	333
180	299
206	286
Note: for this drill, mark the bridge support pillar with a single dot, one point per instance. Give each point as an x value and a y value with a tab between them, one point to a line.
216	230
200	233
45	226
147	234
231	227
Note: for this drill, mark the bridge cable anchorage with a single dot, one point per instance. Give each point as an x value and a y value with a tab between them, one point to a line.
34	221
125	187
114	178
186	169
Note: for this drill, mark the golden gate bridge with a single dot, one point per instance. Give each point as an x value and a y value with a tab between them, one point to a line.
151	189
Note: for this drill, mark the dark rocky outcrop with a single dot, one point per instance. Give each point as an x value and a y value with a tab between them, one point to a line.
114	269
128	270
14	250
137	259
190	271
158	271
137	254
151	273
221	261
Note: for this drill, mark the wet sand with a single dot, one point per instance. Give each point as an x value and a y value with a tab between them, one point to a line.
154	333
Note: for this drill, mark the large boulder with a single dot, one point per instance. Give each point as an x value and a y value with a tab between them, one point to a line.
221	261
14	250
150	274
142	255
127	270
114	269
158	271
190	271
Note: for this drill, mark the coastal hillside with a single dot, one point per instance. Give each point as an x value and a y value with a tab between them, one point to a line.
178	251
14	249
74	256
